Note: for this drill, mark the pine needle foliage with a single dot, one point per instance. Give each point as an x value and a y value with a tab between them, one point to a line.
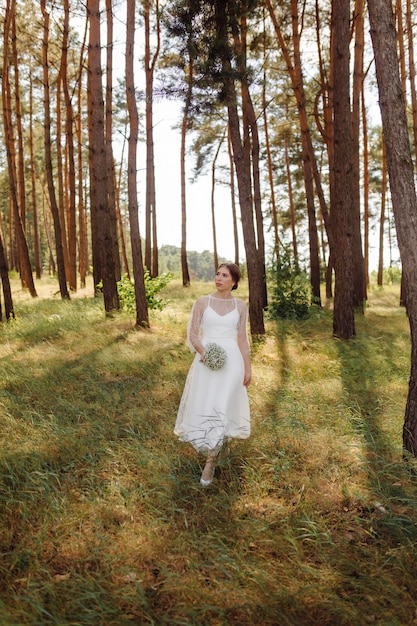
291	296
311	521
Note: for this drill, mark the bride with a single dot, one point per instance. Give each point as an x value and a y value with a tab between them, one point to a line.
214	406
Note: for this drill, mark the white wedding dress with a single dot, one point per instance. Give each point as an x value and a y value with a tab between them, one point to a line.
214	406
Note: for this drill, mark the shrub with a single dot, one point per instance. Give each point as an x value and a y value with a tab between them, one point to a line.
291	290
153	286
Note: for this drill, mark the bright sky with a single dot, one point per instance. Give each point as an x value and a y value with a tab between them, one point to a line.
168	193
167	115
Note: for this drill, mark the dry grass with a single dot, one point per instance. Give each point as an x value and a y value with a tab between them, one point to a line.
310	521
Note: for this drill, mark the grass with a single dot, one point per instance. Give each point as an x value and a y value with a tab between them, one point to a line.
313	520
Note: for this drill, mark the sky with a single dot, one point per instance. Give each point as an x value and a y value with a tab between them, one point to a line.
167	114
198	195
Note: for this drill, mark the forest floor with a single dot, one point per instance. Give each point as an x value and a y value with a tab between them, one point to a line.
311	521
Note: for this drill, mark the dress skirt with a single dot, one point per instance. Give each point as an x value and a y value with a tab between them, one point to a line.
214	406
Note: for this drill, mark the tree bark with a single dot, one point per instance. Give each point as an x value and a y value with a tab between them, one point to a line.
103	240
213	205
109	139
232	196
36	235
151	244
69	133
256	293
48	158
380	277
82	217
402	186
22	247
359	281
310	169
184	127
142	316
343	311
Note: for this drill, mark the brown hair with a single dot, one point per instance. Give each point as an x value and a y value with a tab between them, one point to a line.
234	272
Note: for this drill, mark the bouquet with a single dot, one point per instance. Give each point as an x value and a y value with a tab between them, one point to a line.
214	357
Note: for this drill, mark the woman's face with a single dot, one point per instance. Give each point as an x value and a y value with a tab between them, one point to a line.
223	279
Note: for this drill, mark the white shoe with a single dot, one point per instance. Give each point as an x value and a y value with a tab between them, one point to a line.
207	482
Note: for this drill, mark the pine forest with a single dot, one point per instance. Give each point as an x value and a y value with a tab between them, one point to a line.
304	114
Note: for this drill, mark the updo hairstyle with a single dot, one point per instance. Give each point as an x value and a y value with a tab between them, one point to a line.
235	272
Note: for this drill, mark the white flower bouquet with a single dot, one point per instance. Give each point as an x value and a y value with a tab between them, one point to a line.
214	357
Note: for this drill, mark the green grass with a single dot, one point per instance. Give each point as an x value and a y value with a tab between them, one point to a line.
312	521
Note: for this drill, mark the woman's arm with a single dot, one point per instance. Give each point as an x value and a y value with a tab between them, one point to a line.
194	324
243	342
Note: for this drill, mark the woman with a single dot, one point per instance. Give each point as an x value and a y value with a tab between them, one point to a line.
214	406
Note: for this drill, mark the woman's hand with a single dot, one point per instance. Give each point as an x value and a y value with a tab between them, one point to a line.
247	378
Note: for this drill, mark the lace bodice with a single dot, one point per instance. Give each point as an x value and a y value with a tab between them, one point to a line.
213	318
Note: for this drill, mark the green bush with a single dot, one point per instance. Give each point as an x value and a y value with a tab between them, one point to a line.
153	286
291	290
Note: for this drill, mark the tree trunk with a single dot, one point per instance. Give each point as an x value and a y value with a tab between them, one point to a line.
251	139
274	211
213	213
243	179
184	127
291	206
109	140
365	187
69	133
343	312
36	236
82	217
401	177
19	130
101	224
412	69
4	275
48	158
142	317
310	169
359	281
232	196
380	278
22	247
151	244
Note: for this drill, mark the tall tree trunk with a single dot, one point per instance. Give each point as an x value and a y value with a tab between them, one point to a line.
23	251
151	244
365	186
401	177
99	198
184	127
19	130
111	177
274	211
401	49
291	206
82	217
359	281
244	184
384	181
4	276
251	139
310	169
36	236
142	317
232	196
213	212
69	132
412	69
48	157
343	312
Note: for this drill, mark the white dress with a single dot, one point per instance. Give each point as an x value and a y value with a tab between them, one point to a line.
214	406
